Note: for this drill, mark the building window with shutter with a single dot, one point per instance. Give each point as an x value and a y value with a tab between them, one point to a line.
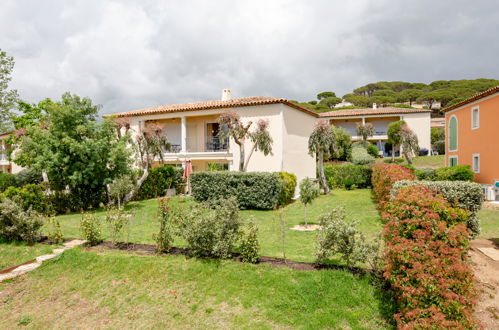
476	163
475	117
453	161
453	133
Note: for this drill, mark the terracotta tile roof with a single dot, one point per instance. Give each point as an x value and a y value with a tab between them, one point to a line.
216	104
473	98
438	122
371	112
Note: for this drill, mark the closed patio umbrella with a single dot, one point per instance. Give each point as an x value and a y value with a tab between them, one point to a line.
187	173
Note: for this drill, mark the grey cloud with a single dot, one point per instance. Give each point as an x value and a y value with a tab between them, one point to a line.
131	54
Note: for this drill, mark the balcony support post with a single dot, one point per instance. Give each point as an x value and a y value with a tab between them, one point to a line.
183	135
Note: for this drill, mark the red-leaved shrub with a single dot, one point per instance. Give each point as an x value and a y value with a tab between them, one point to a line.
383	178
426	260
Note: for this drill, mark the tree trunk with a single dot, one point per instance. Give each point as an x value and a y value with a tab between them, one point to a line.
139	183
241	157
393	153
45	177
245	168
305	213
322	178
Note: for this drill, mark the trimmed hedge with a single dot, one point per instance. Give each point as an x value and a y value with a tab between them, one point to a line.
383	178
426	252
461	194
454	173
160	179
253	190
288	182
345	175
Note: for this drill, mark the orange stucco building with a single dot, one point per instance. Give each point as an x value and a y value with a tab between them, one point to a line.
472	137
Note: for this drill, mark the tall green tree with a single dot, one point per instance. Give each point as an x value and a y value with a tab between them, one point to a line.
8	97
365	131
325	95
76	152
343	143
320	144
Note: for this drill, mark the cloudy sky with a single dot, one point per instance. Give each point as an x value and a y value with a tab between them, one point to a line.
134	54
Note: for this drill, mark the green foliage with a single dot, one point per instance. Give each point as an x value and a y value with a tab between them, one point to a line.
216	167
365	131
30	196
75	150
321	144
119	188
288	187
343	144
425	174
329	102
54	230
118	222
393	132
439	146
356	175
325	95
337	236
372	150
6	181
252	190
160	179
90	228
8	98
249	245
460	194
454	173
18	224
437	134
360	156
164	239
211	231
309	191
28	176
395	160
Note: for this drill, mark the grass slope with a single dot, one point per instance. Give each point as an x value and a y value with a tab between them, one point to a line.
118	290
299	245
13	254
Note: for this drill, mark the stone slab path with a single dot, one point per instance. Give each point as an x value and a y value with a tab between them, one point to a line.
23	269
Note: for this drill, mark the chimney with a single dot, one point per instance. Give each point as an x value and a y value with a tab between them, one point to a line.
226	95
374	106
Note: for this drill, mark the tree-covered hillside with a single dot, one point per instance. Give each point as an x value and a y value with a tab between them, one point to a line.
445	92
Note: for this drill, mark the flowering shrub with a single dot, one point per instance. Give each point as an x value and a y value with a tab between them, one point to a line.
90	228
383	178
426	244
164	239
249	245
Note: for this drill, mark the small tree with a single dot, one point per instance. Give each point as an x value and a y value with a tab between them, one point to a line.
320	144
119	188
409	142
365	131
240	132
393	133
343	143
308	192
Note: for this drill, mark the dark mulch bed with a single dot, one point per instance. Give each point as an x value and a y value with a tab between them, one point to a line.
148	249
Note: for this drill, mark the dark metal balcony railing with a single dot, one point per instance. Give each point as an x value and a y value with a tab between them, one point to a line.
212	143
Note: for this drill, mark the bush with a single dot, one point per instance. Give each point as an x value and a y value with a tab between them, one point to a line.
6	181
164	239
252	190
426	244
383	178
288	187
249	246
28	176
396	160
361	157
31	196
54	230
454	173
338	236
160	179
372	150
118	223
211	232
461	194
119	188
64	202
18	224
425	173
90	228
338	175
439	146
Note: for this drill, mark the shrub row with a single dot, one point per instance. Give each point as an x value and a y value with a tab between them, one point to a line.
253	190
461	194
160	179
347	175
383	178
20	179
426	242
453	173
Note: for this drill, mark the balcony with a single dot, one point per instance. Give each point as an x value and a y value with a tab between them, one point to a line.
208	148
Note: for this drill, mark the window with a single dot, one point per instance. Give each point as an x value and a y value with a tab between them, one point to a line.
475	118
453	133
476	163
453	161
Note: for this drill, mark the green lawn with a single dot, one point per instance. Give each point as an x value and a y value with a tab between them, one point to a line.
299	244
13	254
425	161
489	222
120	290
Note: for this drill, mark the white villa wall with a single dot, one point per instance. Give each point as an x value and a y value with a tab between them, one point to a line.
420	123
297	129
